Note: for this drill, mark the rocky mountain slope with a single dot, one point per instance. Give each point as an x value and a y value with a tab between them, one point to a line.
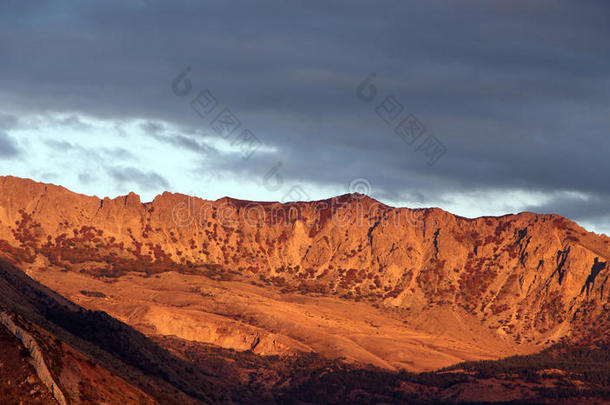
18	378
83	356
348	278
93	359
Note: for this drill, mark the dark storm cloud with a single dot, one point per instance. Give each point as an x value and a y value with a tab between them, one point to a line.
184	141
8	147
8	121
518	92
585	208
99	155
146	180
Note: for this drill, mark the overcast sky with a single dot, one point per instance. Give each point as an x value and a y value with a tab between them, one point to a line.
477	107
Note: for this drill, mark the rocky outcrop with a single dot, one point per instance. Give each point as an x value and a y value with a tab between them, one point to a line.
37	357
530	277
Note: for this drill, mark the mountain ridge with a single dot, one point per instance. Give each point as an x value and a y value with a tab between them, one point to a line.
132	197
528	279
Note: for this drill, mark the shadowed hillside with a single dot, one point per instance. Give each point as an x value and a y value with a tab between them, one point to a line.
115	345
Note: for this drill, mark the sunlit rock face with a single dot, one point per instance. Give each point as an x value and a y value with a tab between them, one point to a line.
523	280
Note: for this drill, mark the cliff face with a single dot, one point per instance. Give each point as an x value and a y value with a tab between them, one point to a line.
527	277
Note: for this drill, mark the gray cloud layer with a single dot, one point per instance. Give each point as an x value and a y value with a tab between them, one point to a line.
518	92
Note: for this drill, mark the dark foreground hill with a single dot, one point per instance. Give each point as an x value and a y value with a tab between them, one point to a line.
74	340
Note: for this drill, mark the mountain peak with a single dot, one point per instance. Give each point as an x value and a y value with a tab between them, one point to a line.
519	281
